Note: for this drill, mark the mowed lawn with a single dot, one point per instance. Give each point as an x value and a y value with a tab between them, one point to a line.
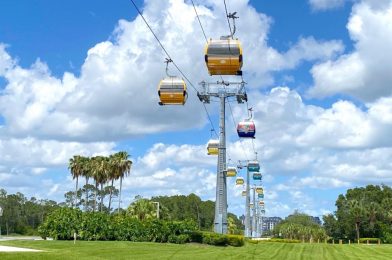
130	250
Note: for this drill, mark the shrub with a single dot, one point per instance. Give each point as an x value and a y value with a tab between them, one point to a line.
196	236
276	240
235	240
62	223
372	240
182	239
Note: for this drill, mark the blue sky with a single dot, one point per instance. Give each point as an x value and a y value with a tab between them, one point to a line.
80	77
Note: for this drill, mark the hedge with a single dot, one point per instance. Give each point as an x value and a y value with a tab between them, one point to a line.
62	223
372	240
215	239
276	240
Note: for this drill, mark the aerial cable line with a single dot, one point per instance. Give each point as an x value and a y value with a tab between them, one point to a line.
197	15
169	57
228	21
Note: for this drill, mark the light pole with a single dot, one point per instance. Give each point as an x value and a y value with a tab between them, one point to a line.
155	202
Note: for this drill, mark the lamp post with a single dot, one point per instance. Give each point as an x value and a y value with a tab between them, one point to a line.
155	202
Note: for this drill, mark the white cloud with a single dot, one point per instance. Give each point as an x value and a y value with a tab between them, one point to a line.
365	72
115	96
321	5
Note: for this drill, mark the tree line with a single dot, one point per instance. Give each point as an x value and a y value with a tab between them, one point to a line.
300	226
182	208
362	212
22	215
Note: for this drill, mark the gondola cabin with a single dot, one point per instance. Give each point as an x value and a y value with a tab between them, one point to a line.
259	190
231	172
257	176
239	181
260	196
253	166
246	129
213	147
251	205
172	91
262	211
223	57
243	193
261	203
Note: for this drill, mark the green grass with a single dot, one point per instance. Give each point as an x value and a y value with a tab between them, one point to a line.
129	250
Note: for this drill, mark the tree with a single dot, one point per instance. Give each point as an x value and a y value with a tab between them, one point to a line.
142	209
123	166
75	165
356	211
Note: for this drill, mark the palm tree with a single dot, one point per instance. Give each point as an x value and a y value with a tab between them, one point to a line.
75	165
99	169
87	173
123	164
113	174
142	209
356	211
372	211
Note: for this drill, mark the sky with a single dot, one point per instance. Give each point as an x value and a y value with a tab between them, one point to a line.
80	77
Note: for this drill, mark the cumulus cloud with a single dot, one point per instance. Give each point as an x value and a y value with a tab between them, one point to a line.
365	72
115	96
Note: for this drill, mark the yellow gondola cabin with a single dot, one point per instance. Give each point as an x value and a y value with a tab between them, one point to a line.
223	57
239	181
231	172
172	91
213	147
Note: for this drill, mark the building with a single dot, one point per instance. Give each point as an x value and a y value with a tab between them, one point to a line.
269	223
316	220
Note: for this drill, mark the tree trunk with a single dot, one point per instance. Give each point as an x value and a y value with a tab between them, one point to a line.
76	192
95	196
6	226
110	195
357	229
86	202
101	198
119	196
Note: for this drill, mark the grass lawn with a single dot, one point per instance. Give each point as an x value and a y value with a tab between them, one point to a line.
129	250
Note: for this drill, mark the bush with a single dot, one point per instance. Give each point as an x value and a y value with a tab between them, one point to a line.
235	240
276	240
372	240
62	223
196	236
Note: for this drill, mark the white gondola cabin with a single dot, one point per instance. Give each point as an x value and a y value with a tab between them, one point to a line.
246	129
213	147
231	172
172	91
239	181
223	57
